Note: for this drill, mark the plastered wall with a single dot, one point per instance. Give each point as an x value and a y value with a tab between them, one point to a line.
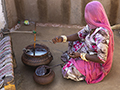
57	11
11	13
2	18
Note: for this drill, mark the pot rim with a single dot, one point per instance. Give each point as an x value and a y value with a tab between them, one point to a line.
50	70
42	45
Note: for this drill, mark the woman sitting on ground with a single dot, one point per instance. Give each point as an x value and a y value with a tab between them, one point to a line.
91	49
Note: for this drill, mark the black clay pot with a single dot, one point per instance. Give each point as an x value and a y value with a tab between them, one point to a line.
45	79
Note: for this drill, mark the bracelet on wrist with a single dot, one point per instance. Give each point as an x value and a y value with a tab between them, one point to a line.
82	56
64	38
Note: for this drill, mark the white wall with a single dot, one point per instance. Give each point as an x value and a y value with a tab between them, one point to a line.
2	18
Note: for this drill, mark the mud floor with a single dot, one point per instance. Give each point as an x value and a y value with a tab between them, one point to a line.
24	74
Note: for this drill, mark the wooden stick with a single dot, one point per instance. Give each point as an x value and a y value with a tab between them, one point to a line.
29	32
115	27
34	39
35	36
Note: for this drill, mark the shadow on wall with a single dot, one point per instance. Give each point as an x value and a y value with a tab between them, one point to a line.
57	11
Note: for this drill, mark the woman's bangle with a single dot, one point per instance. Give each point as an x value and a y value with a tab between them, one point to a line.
64	38
82	55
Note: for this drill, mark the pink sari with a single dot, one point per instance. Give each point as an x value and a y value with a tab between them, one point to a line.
94	72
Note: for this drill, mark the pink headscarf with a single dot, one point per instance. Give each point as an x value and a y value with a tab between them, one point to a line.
96	16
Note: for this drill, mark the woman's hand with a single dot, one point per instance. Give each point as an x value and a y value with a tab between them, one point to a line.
72	37
74	55
57	39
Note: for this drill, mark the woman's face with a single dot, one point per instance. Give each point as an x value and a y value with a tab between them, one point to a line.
91	26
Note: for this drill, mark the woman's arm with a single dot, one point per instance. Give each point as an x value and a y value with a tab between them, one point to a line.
93	58
72	37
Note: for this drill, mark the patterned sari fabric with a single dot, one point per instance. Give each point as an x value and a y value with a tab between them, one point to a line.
100	42
96	43
70	72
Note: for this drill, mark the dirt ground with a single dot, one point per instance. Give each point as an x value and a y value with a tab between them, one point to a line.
24	74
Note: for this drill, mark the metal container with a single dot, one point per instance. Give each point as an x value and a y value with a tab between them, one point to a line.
43	79
40	55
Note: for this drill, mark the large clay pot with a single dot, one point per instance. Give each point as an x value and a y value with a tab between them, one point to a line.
36	60
45	79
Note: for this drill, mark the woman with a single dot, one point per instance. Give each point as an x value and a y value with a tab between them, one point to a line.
91	49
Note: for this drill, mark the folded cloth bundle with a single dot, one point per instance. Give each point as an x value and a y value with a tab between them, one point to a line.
4	40
9	56
1	83
4	46
6	60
